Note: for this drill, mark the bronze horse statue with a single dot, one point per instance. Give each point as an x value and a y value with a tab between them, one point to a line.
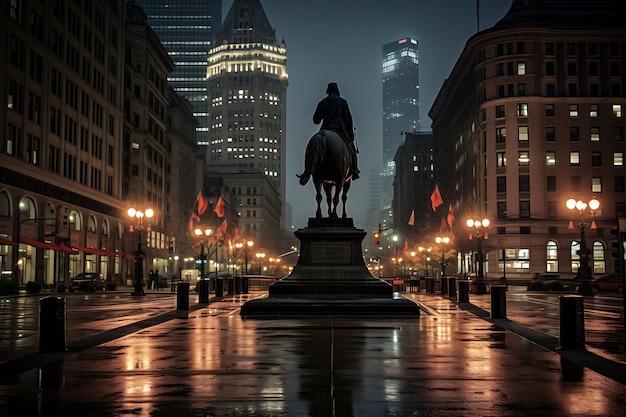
329	161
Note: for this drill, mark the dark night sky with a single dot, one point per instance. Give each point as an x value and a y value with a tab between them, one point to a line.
341	41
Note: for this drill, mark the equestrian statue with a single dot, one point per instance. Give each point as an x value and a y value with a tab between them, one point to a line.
331	155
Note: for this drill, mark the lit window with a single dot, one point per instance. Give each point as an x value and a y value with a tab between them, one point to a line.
593	110
617	110
550	158
596	184
522	133
522	109
595	134
618	159
521	68
524	158
574	158
500	159
573	110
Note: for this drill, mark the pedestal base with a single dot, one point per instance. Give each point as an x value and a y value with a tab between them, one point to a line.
330	278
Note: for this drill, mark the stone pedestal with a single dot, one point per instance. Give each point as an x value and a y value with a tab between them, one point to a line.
330	278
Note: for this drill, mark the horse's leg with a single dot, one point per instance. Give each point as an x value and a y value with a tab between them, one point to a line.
338	188
328	188
344	196
318	198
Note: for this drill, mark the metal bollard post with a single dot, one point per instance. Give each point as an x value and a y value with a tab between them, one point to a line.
498	301
464	288
452	288
52	324
203	291
219	287
430	285
572	322
444	285
182	296
244	285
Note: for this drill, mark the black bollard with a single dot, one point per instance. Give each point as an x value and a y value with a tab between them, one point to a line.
430	285
572	322
452	288
52	324
182	296
244	285
498	301
464	289
444	286
219	287
203	291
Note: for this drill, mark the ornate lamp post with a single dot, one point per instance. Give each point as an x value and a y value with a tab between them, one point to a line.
477	230
249	244
260	257
203	284
579	207
395	241
425	251
443	241
138	216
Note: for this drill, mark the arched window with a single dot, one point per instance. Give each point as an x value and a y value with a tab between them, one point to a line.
76	220
27	208
5	204
106	228
91	226
574	256
599	263
552	257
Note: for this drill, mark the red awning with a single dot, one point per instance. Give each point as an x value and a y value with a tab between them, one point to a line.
68	249
7	242
38	244
94	251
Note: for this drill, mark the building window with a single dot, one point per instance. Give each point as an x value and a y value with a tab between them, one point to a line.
572	89
594	110
500	159
573	110
552	257
549	68
618	159
595	134
550	134
619	185
574	134
596	184
524	209
618	135
523	158
550	90
551	183
620	209
522	133
522	109
500	111
617	110
599	264
572	68
524	183
501	184
549	48
596	159
574	158
549	110
550	158
574	256
500	134
502	209
521	68
521	89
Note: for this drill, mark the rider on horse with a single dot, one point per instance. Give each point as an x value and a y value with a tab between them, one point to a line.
334	113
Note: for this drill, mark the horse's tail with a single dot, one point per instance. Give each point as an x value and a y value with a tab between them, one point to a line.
314	154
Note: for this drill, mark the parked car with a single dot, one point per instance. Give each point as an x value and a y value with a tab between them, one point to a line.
87	281
611	282
551	282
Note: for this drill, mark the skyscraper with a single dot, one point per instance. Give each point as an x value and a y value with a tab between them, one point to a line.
186	31
400	69
247	84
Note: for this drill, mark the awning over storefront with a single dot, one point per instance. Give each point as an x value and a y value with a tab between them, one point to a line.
38	244
4	241
93	251
68	249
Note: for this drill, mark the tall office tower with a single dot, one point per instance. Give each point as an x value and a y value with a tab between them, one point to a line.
247	83
186	31
400	108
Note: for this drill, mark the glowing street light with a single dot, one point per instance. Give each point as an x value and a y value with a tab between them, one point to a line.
443	241
137	217
478	231
579	207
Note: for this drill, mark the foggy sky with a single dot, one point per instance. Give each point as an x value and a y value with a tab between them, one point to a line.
341	41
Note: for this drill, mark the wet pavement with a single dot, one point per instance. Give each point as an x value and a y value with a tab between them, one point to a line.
450	362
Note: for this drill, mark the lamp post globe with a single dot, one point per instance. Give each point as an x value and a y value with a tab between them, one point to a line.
137	226
585	218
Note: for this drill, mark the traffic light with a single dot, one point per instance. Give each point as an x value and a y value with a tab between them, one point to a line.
377	238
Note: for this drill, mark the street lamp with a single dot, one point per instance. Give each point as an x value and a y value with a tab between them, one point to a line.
260	257
427	251
477	230
138	216
395	240
203	285
249	244
580	207
443	241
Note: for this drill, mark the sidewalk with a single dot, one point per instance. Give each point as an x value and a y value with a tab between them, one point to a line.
213	363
